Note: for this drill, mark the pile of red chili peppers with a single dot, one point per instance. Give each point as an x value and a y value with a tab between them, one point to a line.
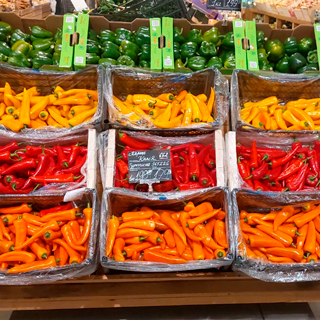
25	168
193	166
267	169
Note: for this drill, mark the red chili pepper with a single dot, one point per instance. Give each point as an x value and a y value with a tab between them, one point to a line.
273	174
174	172
8	190
176	159
34	151
69	177
260	171
124	154
213	175
75	151
212	154
77	167
163	186
204	178
289	156
189	186
204	152
313	162
259	186
133	143
301	156
21	166
269	155
122	166
312	179
298	180
302	149
8	178
292	169
62	158
3	168
21	155
6	156
185	147
273	186
193	163
64	207
209	162
10	146
254	156
17	184
243	169
51	167
186	170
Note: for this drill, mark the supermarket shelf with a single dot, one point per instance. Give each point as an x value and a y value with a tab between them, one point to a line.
278	17
160	289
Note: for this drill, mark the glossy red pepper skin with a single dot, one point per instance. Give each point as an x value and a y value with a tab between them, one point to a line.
17	184
11	147
133	143
182	147
272	174
259	186
297	181
260	172
5	156
313	161
194	168
51	167
75	151
269	155
312	179
122	167
69	177
8	178
281	161
204	152
209	162
243	170
3	168
56	209
254	156
62	158
23	166
273	186
186	170
213	175
77	166
176	159
34	151
292	169
8	190
174	172
163	186
204	178
189	186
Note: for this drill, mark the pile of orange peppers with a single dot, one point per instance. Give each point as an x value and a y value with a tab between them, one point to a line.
269	114
289	235
35	240
167	110
61	109
166	236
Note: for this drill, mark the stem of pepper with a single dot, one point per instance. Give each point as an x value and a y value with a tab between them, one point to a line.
36	187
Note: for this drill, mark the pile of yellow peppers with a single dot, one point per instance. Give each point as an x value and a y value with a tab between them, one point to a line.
167	110
29	109
269	114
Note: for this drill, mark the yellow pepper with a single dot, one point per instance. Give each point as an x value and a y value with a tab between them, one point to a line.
289	117
15	102
57	117
33	91
43	115
2	109
35	124
257	123
7	91
70	116
265	119
128	105
273	108
167	97
268	102
211	100
168	124
154	113
175	109
14	125
37	108
187	117
315	115
280	122
63	114
81	117
7	117
196	114
53	123
249	104
56	110
42	123
295	127
165	116
244	111
25	108
142	98
304	125
310	108
253	113
202	97
10	110
274	125
76	99
92	93
245	115
129	98
75	110
205	114
302	103
302	116
139	112
58	90
123	109
147	106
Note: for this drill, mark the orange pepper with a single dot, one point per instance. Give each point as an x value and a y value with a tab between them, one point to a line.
156	238
135	240
279	259
285	228
130	250
182	95
117	250
167	219
316	222
210	226
259	254
39	251
312	258
220	234
17	256
189	206
183	220
67	215
250	253
74	224
61	256
51	235
307	217
137	215
317	249
37	265
161	226
278	235
201	232
31	229
282	217
67	235
4	230
6	246
18	209
169	251
202	208
31	218
291	253
21	231
208	253
198	253
169	237
161	257
310	243
74	256
263	242
175	216
192	223
112	231
179	244
131	232
87	226
187	254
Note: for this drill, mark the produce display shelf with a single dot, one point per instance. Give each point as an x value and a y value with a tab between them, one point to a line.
154	289
280	19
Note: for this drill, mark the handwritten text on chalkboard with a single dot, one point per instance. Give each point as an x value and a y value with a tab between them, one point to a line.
232	5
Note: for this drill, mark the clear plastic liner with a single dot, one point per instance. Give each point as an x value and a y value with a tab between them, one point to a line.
106	151
117	201
45	141
121	81
269	140
84	268
19	79
252	201
252	86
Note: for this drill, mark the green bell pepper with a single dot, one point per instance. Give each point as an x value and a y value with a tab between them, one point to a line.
194	35
56	58
197	63
18	35
5	49
58	35
297	61
110	50
309	67
107	61
144	64
127	45
306	45
290	46
93	46
215	62
125	61
283	65
5	28
3	57
58	48
107	35
123	34
189	49
261	39
178	64
176	50
34	53
211	35
207	49
228	41
262	54
275	50
92	35
92	58
42	45
224	55
143	36
40	60
18	59
39	32
22	47
312	56
177	35
230	63
4	37
265	66
33	38
145	53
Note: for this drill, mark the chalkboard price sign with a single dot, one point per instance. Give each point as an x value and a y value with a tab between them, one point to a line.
231	5
149	166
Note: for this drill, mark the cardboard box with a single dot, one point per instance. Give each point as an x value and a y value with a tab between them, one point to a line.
167	51
156	52
80	49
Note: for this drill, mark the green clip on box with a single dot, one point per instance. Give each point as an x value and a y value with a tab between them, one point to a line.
241	55
167	51
252	52
66	58
80	49
156	52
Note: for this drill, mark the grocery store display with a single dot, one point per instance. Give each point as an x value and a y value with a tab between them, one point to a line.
168	110
28	109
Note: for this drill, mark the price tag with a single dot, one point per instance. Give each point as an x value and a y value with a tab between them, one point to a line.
149	166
